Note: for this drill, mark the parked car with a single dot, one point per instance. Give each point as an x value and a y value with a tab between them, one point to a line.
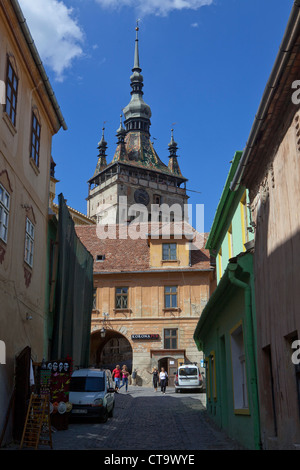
92	394
188	377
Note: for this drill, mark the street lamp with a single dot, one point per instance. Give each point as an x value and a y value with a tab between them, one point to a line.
103	329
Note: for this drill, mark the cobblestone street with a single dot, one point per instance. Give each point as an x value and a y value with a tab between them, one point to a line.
147	420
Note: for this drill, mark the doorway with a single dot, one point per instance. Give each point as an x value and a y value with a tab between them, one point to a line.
22	391
170	366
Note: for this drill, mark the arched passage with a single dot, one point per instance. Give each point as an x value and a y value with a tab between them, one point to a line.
111	350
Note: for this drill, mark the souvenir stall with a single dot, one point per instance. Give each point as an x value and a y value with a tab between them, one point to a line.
54	381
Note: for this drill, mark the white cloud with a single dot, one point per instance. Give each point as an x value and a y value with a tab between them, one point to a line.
194	25
156	7
55	31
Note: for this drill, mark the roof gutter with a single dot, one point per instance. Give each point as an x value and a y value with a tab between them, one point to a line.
38	61
282	58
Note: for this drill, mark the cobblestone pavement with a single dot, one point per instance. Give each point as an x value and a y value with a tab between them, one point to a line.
147	420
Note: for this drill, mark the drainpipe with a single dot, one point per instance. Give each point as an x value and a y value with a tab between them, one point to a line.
250	350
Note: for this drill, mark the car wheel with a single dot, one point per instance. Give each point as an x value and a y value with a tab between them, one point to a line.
104	417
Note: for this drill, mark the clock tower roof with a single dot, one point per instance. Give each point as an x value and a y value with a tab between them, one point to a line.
134	146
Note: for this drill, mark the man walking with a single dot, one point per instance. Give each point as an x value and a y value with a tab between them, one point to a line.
116	375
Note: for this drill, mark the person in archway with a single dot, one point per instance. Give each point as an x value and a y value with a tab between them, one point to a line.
134	376
163	376
125	375
155	377
116	375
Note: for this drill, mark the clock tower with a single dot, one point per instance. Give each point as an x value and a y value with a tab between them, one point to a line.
136	176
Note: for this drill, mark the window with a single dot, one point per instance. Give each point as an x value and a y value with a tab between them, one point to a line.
87	384
170	296
169	251
244	217
4	213
239	370
100	257
29	242
170	339
35	139
121	297
11	93
156	199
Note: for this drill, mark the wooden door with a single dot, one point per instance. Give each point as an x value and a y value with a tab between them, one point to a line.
22	391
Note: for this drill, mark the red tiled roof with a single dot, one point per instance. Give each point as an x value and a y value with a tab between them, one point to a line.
125	254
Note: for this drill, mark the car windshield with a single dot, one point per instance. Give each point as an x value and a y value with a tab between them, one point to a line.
188	371
87	384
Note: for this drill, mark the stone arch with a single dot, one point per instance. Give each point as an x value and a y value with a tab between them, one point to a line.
114	348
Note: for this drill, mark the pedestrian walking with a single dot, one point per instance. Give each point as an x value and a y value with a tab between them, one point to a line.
155	377
116	375
163	376
125	375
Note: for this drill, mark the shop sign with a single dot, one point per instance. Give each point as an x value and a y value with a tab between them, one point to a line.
145	336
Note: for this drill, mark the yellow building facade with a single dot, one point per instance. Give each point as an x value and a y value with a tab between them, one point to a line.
149	294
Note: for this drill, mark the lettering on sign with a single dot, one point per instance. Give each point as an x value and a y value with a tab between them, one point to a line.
145	336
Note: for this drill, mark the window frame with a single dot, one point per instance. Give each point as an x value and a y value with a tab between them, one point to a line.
35	139
171	294
170	337
29	239
4	211
122	296
13	94
169	258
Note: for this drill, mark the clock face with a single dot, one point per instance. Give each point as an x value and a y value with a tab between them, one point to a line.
141	197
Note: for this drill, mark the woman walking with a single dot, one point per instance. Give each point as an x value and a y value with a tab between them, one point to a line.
125	375
155	377
163	376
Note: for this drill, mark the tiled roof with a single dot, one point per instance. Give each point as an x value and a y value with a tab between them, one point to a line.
132	255
138	151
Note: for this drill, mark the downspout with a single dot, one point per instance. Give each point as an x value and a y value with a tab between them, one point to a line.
250	350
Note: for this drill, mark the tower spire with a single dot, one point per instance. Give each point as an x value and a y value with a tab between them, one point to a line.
173	162
102	147
136	65
137	113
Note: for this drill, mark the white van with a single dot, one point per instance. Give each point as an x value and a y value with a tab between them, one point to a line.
92	393
188	376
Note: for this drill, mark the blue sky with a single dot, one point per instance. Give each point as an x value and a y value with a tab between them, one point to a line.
205	69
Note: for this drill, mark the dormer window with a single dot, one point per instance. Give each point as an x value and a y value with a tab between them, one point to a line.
169	251
100	258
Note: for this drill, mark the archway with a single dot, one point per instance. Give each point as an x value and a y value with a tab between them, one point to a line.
111	350
170	365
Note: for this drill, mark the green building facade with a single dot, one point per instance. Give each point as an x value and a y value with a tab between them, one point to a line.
226	329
